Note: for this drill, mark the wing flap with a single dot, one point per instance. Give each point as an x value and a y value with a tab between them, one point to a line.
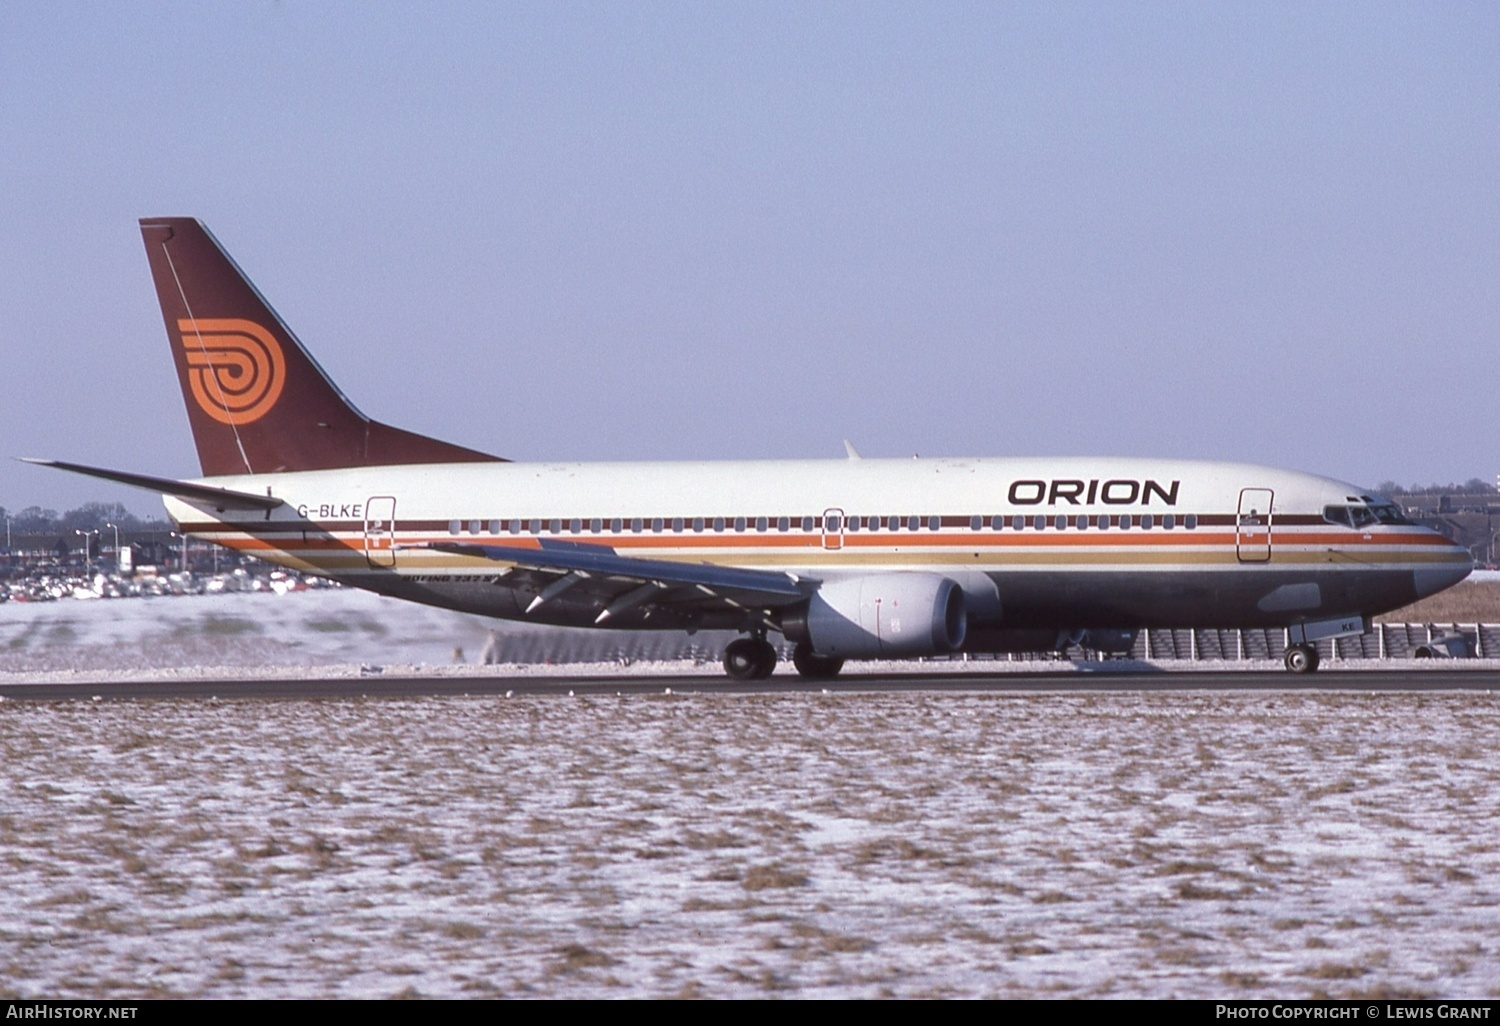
629	581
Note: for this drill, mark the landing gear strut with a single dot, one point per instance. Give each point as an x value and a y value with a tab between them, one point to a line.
749	658
814	666
1301	658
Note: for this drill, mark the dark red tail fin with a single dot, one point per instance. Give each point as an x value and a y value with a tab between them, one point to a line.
257	401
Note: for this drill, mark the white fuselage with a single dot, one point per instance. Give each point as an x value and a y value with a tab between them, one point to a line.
1035	543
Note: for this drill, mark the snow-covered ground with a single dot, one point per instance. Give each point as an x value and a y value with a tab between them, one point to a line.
1153	844
267	632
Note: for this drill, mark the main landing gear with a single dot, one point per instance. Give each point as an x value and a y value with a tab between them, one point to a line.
814	666
754	658
1301	658
749	658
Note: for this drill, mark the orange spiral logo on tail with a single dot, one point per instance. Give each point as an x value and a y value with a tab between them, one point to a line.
235	368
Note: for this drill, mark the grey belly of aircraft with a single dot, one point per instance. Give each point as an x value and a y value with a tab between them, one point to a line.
1027	601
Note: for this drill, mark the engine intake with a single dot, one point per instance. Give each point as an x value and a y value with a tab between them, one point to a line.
882	615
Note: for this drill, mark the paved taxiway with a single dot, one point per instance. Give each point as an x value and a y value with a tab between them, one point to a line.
1069	681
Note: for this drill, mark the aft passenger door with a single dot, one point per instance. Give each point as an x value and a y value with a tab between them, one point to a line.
1252	532
380	531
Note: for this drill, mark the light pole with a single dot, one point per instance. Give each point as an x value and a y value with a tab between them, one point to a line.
85	535
116	528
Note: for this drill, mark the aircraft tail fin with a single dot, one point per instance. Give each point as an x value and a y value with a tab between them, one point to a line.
257	400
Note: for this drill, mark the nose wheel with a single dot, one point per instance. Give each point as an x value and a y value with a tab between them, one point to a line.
1301	658
749	659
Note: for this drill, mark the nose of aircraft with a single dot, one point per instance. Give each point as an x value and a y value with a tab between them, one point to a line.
1457	564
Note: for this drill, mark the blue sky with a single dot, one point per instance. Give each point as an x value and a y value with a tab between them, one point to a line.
1264	232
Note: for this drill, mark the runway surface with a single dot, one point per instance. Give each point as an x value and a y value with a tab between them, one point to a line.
401	685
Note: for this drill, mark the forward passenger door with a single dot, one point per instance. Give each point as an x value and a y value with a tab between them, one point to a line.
1252	532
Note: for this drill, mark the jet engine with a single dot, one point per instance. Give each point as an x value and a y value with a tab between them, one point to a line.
882	615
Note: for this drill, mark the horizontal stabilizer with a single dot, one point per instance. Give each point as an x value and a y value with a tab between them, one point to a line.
220	498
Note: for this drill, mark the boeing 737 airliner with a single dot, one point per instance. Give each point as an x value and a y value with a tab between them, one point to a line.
849	559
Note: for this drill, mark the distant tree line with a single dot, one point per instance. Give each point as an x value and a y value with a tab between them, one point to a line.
1473	486
91	516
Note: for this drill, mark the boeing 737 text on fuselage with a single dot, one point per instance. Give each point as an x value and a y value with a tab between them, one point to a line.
848	559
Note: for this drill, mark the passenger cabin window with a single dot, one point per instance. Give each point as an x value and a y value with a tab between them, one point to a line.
808	523
1104	521
976	523
536	525
455	526
854	522
1040	523
1018	522
739	523
677	524
615	525
1148	521
718	523
997	522
656	524
834	525
1082	521
783	523
636	524
934	523
761	523
473	527
697	523
1061	522
1190	521
1168	521
1125	521
575	525
914	524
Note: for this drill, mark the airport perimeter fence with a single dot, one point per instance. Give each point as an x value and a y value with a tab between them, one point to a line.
1385	641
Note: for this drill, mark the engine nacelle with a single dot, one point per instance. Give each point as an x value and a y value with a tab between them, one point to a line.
882	615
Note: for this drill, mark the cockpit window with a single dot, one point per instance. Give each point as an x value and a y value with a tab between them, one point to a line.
1364	516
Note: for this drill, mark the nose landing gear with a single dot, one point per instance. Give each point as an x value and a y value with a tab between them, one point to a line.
750	658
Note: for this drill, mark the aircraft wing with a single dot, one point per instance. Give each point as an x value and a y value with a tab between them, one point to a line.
625	582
